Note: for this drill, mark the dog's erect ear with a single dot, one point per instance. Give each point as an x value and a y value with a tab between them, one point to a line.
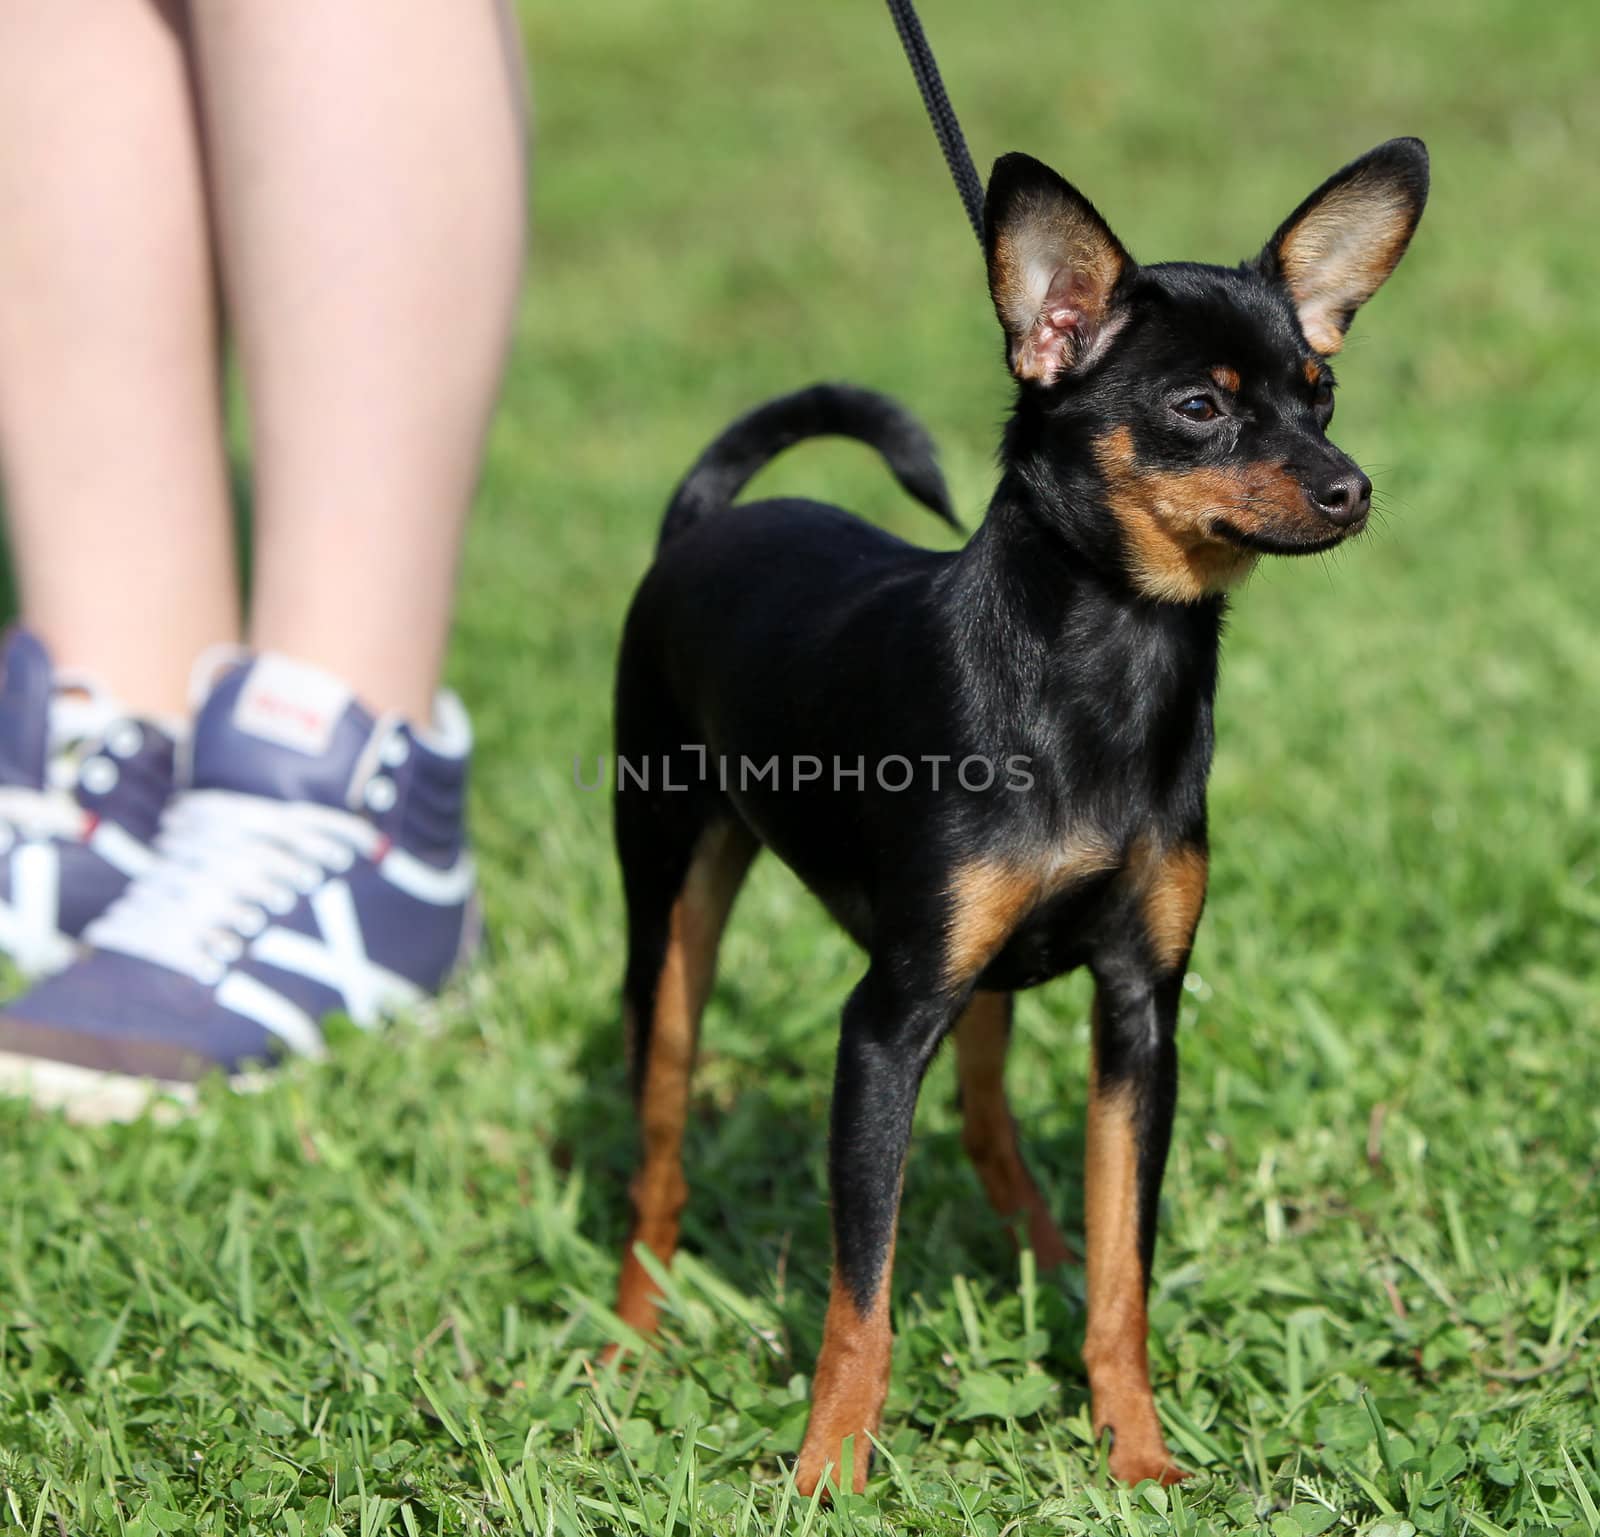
1053	270
1335	250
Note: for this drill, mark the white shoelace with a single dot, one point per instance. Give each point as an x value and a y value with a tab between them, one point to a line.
227	865
81	713
38	814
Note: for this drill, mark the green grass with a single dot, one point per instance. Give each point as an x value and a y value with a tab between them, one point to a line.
370	1299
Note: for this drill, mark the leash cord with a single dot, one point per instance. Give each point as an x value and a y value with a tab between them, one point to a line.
940	113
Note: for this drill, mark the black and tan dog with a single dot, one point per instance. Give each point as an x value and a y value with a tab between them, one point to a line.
990	765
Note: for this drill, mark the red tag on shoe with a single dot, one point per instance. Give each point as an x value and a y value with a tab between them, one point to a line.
290	705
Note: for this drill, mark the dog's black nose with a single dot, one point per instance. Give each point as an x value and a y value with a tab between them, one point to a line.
1345	499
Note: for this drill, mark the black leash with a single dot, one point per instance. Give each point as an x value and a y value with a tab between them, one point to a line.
940	113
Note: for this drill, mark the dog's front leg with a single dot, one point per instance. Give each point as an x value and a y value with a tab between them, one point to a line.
888	1039
1132	1094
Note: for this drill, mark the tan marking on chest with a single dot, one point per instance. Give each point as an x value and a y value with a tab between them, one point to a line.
1172	891
990	898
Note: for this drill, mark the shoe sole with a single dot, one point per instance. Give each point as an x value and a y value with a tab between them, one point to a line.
89	1097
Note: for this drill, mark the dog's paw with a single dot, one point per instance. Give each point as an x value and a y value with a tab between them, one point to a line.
818	1462
1138	1463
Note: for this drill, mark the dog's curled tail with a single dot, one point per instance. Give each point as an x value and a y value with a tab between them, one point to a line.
824	410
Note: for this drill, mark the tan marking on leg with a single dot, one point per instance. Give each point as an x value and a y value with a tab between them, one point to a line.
1172	894
658	1189
1115	1347
989	898
989	1130
850	1385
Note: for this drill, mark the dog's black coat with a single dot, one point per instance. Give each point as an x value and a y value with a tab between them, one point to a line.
1062	645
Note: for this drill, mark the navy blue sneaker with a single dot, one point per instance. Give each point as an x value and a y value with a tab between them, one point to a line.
314	861
82	788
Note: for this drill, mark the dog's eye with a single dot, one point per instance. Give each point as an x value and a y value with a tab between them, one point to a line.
1197	408
1323	398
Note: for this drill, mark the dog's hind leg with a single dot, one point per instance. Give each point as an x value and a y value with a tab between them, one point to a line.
989	1131
683	859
